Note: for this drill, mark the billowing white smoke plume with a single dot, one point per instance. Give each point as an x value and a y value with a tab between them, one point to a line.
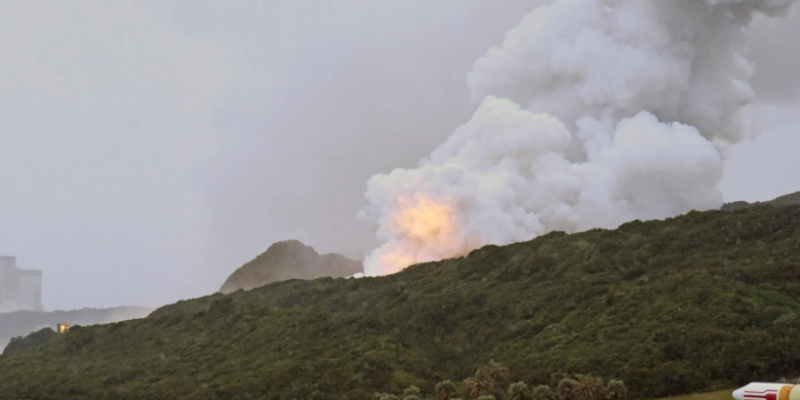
592	113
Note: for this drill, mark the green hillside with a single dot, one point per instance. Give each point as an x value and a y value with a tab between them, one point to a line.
22	323
705	301
785	200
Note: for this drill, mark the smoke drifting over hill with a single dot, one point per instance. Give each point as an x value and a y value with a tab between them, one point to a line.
592	113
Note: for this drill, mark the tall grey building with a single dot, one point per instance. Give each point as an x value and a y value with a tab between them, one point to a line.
20	289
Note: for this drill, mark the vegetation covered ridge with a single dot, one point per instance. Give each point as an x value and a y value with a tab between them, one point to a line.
22	323
703	301
785	200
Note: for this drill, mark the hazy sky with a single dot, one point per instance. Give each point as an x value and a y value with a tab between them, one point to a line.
149	148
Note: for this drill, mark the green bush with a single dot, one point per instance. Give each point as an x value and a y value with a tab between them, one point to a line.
38	338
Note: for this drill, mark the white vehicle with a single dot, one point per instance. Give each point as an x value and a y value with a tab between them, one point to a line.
768	391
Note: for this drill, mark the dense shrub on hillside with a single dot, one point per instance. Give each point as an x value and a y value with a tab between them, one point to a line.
37	338
489	383
22	323
786	200
703	301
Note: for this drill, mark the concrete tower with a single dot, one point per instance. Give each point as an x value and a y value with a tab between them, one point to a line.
29	295
19	289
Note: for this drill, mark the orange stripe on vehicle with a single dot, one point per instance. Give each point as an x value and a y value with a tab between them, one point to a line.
784	393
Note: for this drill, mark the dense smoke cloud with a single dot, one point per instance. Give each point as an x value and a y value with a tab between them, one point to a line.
592	113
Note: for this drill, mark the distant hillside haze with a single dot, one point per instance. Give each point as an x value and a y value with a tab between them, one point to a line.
22	323
786	200
286	260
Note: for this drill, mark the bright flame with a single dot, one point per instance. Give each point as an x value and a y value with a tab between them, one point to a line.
422	218
424	228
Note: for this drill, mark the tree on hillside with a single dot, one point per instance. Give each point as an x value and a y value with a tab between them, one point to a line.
542	392
519	391
412	393
445	390
585	387
495	371
616	390
564	390
588	387
478	386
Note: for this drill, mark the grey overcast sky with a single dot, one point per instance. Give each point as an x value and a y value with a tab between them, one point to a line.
149	148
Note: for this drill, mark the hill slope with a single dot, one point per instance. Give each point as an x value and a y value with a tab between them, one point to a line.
786	200
22	323
699	302
289	260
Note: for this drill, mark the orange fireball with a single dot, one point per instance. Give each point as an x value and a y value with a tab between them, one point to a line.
422	223
422	219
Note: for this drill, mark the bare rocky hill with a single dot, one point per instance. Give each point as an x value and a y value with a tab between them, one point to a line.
289	260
